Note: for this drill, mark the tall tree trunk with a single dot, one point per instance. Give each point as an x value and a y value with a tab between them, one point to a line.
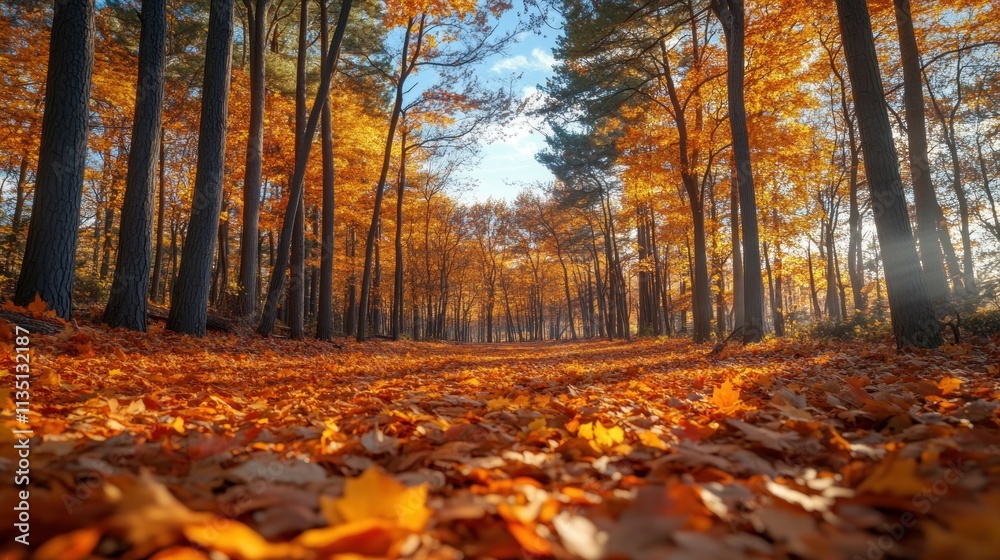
48	266
297	281
155	292
189	304
731	14
701	298
832	297
397	276
913	319
924	197
813	297
324	319
246	303
404	69
130	286
277	282
739	317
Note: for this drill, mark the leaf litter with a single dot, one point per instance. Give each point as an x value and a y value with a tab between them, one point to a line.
168	447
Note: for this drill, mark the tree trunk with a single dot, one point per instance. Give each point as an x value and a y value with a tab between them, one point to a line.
913	319
130	286
701	293
739	317
924	197
813	298
155	292
397	276
48	266
246	302
189	304
277	282
731	14
324	318
297	280
366	277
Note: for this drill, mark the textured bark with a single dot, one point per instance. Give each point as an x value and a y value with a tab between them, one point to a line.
731	14
249	236
297	281
155	292
47	269
277	281
924	197
913	319
739	318
324	317
396	320
189	304
130	286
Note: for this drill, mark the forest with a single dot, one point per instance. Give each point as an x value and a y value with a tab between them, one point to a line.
257	304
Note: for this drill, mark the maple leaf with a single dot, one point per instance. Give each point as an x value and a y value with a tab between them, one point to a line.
601	438
727	398
405	507
949	385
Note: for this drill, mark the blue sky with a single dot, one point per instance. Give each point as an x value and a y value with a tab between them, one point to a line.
507	164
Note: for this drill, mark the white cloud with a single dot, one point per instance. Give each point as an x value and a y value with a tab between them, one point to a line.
539	60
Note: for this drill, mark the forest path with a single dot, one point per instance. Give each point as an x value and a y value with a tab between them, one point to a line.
568	449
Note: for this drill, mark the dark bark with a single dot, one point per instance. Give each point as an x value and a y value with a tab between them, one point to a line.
155	291
739	318
913	319
130	286
406	66
297	280
731	14
189	304
277	282
246	303
924	197
48	266
324	318
397	276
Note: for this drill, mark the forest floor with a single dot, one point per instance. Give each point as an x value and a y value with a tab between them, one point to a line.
166	446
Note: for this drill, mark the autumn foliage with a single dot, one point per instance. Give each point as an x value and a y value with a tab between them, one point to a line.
165	446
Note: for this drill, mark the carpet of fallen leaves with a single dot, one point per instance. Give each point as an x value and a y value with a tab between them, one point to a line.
164	446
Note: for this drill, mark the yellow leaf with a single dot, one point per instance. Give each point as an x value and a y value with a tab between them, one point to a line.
652	440
538	425
70	546
178	425
601	438
949	385
368	537
894	475
376	495
726	397
497	404
236	540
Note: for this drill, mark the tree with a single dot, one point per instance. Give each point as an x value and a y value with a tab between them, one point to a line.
246	304
913	319
189	304
924	197
448	36
130	286
277	282
324	317
47	269
731	14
